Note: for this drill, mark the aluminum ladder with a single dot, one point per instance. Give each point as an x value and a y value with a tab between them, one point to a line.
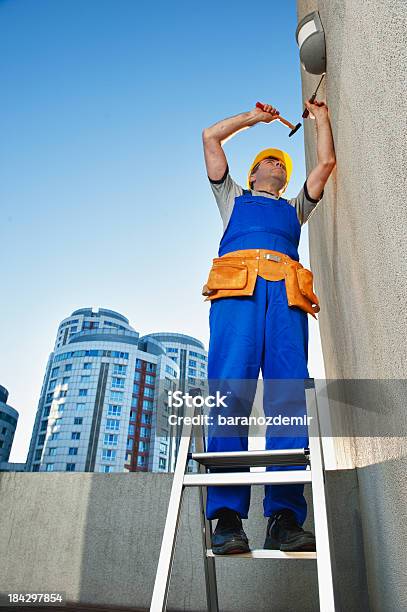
312	457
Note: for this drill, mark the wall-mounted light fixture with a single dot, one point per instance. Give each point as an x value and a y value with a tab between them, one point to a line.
310	38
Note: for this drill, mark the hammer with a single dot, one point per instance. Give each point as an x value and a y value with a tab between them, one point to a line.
294	128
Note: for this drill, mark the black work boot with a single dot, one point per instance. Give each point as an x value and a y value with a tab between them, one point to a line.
284	533
229	537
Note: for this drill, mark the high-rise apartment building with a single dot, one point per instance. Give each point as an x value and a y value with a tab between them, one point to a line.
8	424
104	402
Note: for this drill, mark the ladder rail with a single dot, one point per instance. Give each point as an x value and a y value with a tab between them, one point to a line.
324	566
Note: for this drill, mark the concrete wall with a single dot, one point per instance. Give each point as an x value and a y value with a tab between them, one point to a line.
97	538
358	256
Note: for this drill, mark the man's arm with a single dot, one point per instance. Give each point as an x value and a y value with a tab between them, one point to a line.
216	135
325	150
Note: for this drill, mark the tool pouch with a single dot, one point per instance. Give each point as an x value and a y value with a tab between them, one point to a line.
227	278
299	288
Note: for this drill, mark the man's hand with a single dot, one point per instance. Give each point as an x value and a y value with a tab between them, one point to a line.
317	110
267	114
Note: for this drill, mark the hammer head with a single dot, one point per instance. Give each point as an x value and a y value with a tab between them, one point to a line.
297	127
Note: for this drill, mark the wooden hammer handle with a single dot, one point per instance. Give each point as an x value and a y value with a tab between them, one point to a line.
287	123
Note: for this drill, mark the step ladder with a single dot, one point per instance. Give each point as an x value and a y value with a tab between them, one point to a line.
311	457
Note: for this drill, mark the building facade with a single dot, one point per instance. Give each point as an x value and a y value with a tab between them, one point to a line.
8	425
102	405
192	359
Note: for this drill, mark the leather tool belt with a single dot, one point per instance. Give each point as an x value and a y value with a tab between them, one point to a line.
235	274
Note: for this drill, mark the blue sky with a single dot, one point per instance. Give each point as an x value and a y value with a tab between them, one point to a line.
104	195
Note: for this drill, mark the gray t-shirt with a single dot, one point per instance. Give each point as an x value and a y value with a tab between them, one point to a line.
226	190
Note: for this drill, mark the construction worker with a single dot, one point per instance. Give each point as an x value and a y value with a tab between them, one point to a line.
259	329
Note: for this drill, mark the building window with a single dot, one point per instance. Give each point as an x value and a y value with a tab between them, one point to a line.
148	392
192	363
68	367
83	392
130	444
70	467
150	380
116	396
147	405
63	393
38	455
118	383
110	439
85	378
172	350
65	380
52	451
191	372
119	369
114	410
90	325
106	469
151	367
141	461
131	430
162	463
136	388
137	376
146	418
54	372
80	406
108	454
44	425
49	398
139	364
73	451
170	370
78	420
132	415
144	432
52	384
46	411
76	435
87	365
144	446
54	435
163	448
49	467
113	424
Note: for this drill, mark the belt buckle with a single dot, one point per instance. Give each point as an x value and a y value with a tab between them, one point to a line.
272	257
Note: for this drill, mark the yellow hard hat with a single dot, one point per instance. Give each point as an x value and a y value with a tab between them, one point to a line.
282	155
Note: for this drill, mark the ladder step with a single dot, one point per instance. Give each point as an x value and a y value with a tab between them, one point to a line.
299	456
246	478
266	554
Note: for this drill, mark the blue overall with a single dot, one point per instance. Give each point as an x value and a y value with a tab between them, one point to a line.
249	333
